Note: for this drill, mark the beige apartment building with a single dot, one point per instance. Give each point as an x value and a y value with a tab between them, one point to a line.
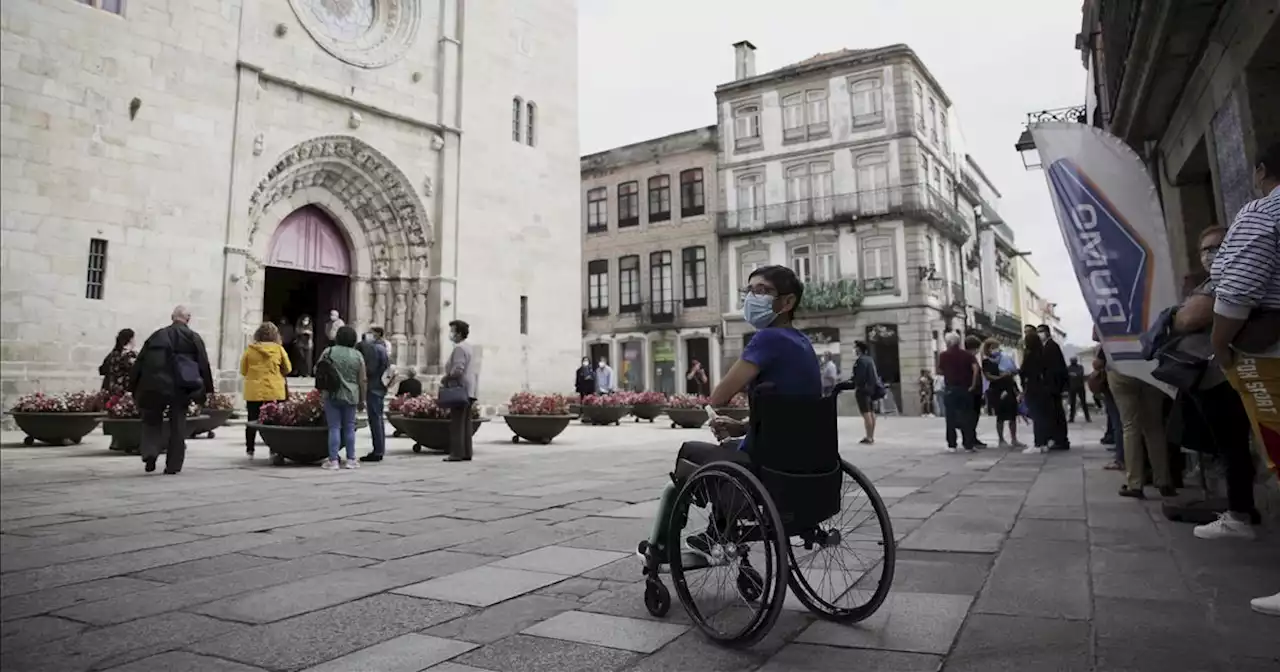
848	168
651	294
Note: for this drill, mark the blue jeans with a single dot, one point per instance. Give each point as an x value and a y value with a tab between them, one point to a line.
1113	421
939	400
341	419
373	405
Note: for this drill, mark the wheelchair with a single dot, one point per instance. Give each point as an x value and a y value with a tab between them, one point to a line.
790	512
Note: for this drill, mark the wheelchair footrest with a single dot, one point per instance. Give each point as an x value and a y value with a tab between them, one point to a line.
690	560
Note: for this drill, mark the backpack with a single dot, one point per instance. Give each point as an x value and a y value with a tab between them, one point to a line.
327	377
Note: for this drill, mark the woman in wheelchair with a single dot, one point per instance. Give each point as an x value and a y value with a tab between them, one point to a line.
778	357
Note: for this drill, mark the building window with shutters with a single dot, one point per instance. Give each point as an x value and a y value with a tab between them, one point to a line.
629	284
878	266
694	262
95	282
659	198
530	115
597	210
866	101
628	204
517	123
692	196
746	127
598	287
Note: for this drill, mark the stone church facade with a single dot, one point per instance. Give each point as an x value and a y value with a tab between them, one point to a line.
406	162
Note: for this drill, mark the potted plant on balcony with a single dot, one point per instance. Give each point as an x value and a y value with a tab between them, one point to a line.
124	424
605	409
687	410
424	421
647	405
217	409
294	429
737	408
537	418
58	419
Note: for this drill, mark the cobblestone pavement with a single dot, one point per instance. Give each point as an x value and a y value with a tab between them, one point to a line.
519	562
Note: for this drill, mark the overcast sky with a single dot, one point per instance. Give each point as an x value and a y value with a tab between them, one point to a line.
649	68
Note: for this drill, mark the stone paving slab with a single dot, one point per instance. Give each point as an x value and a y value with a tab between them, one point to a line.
524	560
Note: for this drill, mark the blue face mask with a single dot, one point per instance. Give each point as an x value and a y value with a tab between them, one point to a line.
758	310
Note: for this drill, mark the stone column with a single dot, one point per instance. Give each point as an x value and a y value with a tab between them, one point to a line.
361	303
381	303
418	328
713	353
399	318
681	363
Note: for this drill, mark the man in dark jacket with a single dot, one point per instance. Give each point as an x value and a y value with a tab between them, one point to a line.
376	363
1055	376
1075	390
172	371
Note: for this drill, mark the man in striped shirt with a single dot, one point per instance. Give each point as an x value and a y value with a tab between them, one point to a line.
1246	272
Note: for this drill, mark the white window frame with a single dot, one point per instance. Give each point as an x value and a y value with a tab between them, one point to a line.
877	253
750	210
866	100
805	115
748	261
598	288
826	262
919	91
871	178
746	125
802	262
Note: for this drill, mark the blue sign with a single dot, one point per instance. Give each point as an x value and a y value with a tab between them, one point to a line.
1112	262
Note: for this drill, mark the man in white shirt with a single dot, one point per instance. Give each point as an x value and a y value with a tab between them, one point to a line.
604	378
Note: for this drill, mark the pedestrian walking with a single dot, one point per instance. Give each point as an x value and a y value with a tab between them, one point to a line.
1054	367
1075	391
118	364
172	370
867	389
1002	391
962	376
584	379
264	365
341	377
461	371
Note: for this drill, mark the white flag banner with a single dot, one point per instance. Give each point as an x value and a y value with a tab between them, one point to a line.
1111	221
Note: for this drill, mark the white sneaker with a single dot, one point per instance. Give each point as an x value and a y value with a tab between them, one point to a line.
351	463
331	465
1269	605
1227	526
951	449
1032	450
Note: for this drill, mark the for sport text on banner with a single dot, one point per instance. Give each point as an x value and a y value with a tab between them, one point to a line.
1110	218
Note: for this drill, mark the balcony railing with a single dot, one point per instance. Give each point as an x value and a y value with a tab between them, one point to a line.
648	313
842	208
1007	322
1074	114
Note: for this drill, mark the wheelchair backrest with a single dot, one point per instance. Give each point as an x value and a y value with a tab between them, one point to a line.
794	434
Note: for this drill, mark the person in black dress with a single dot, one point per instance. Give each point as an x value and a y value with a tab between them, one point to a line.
1002	391
1035	389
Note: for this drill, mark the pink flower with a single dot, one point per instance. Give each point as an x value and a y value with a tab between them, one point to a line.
528	403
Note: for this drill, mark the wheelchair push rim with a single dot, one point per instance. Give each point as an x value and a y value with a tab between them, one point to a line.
736	597
837	577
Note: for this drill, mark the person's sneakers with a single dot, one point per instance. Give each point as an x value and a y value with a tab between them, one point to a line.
867	440
248	453
1227	526
149	465
171	472
371	457
700	542
970	449
1136	493
1032	450
1269	605
351	463
331	465
1018	444
1108	441
951	449
1004	444
979	445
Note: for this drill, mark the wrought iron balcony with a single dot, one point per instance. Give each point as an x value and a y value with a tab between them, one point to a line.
843	295
1026	145
917	199
1007	323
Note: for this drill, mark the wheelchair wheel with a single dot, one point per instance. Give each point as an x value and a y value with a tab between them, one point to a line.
842	571
731	602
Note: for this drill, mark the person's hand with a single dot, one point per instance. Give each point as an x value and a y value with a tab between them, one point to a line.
727	428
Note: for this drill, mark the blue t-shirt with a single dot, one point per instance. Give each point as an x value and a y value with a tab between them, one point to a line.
787	363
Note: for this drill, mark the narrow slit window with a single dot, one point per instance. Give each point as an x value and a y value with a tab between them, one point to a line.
97	272
524	315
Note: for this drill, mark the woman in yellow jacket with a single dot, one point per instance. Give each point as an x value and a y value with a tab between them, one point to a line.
264	365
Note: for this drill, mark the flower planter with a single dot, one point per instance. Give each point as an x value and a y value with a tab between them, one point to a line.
537	428
430	433
604	415
126	433
575	409
304	445
688	418
646	411
209	420
736	413
58	429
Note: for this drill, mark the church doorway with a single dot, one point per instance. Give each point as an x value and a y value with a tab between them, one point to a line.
308	271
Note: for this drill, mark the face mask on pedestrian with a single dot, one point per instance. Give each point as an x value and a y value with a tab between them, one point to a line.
586	363
757	310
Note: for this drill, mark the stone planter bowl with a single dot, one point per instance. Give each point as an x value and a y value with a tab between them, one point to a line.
126	433
304	445
57	429
430	433
604	415
537	428
215	419
734	412
646	411
688	418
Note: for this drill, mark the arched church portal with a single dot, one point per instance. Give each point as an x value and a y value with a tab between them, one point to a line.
308	269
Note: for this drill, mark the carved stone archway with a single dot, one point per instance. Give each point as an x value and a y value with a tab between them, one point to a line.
386	225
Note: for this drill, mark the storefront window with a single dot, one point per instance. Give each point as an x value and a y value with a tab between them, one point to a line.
664	366
631	373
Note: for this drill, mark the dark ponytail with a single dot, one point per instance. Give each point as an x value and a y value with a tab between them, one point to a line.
122	339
